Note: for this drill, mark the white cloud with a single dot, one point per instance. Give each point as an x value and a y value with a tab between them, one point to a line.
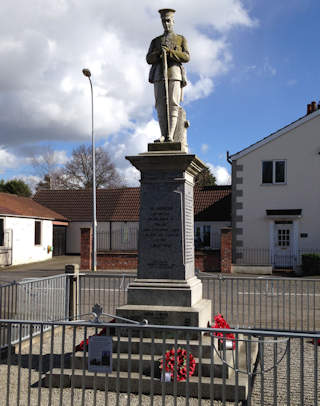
202	88
7	160
204	148
45	44
120	145
57	157
268	68
221	174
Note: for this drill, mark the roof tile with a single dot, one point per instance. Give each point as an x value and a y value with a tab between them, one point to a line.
14	205
210	203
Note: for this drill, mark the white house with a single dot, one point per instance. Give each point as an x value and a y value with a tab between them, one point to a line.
276	195
26	230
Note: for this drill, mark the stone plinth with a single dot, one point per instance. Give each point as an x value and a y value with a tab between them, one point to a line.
165	292
166	279
197	315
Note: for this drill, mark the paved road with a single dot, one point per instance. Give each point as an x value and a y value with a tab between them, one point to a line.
41	269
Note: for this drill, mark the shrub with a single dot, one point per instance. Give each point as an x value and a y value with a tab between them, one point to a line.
311	264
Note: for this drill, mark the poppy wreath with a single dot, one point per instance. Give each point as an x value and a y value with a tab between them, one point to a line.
181	358
220	322
103	332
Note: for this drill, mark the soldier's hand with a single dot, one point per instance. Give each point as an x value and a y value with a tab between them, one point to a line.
165	48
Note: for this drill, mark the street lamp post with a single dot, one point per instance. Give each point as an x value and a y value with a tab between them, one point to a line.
87	73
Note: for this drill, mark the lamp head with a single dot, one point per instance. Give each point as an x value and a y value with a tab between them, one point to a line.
86	72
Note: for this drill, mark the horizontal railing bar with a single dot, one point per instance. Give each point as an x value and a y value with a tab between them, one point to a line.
108	275
203	276
265	333
60	276
266	278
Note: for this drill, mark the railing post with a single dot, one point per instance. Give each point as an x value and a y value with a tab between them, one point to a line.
72	271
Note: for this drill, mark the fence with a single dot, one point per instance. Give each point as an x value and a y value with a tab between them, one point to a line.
110	290
287	304
278	259
263	368
123	239
40	299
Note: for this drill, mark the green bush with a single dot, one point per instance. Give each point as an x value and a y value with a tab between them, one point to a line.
311	264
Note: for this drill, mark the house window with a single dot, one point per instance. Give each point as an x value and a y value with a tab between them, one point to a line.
273	172
203	237
1	232
125	234
284	238
37	233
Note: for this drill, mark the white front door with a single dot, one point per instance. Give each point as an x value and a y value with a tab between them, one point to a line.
283	244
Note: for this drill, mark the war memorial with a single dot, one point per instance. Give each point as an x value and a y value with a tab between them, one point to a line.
166	290
160	342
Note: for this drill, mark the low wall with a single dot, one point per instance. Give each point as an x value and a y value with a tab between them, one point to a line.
117	260
205	260
252	269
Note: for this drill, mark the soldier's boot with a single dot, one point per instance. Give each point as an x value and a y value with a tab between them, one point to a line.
163	127
173	124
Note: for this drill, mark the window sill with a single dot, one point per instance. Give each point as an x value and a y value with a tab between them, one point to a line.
273	184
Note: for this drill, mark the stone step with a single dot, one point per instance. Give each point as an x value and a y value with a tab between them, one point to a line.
146	346
121	363
123	382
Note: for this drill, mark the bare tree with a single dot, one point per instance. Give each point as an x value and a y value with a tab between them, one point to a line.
77	173
48	167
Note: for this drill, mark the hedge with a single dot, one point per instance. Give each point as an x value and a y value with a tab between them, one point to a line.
311	264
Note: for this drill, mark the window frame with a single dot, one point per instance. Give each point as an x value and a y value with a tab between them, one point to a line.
2	233
274	165
201	232
35	233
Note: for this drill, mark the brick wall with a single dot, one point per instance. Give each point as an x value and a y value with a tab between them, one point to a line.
208	260
117	260
226	249
86	248
205	261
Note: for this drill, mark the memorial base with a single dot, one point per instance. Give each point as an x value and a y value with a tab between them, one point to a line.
193	316
165	292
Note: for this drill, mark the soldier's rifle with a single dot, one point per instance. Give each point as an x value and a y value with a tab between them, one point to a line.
166	85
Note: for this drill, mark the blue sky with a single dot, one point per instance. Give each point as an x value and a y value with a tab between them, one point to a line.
253	69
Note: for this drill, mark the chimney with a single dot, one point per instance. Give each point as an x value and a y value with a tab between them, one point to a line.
313	106
309	109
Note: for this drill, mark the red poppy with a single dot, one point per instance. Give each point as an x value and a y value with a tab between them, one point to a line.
181	359
103	332
220	322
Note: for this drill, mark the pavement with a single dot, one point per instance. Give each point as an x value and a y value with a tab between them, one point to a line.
54	266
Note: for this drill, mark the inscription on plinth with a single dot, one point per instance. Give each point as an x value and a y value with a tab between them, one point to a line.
189	234
161	232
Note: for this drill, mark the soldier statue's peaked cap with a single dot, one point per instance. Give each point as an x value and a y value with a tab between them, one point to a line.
166	12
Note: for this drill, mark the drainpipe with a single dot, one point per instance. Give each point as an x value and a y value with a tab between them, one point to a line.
228	158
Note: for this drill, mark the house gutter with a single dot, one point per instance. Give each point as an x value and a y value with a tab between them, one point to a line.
28	217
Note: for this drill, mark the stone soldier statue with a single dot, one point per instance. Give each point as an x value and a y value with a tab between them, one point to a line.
166	55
